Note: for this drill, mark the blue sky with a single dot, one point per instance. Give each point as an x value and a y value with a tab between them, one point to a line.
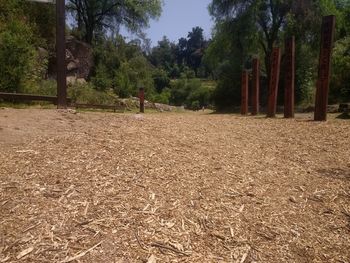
178	18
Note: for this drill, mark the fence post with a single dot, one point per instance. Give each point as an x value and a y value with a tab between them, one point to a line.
274	82
324	68
256	87
244	93
142	100
289	77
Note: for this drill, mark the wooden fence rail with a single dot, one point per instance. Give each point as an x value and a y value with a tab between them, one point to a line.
19	97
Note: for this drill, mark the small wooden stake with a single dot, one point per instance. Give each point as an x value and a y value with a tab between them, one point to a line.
142	100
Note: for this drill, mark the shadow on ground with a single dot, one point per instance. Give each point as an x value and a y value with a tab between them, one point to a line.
335	173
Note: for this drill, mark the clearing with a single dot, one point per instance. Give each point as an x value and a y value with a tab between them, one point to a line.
190	187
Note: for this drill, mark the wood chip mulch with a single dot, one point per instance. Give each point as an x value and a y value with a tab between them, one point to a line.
189	187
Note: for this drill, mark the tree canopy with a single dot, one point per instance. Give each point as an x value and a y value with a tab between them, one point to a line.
96	16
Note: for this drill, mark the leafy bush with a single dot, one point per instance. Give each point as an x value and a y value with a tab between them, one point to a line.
190	93
17	56
163	97
340	83
85	93
44	87
161	80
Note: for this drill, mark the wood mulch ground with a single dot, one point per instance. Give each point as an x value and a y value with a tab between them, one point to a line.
189	187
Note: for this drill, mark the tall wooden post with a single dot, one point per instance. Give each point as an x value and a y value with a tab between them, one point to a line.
274	81
289	77
244	93
61	54
142	100
255	87
324	68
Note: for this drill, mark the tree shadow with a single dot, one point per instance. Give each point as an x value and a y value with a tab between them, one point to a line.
335	173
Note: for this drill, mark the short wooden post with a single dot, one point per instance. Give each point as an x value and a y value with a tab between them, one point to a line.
324	68
274	82
255	87
142	100
244	93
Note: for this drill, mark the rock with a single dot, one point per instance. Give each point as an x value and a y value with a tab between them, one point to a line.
72	66
79	56
71	80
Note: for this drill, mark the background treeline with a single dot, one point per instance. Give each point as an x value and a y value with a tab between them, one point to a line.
193	71
249	29
171	73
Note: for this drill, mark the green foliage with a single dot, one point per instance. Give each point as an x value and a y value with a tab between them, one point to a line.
22	30
184	92
163	97
86	94
93	17
183	58
102	79
161	80
17	56
340	83
245	29
43	87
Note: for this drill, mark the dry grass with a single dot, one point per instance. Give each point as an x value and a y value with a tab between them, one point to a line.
103	187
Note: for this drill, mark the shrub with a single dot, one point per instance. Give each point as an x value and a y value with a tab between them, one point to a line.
17	56
86	94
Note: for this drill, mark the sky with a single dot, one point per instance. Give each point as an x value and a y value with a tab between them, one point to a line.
178	18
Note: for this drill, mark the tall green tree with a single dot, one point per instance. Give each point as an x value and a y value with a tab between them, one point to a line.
94	16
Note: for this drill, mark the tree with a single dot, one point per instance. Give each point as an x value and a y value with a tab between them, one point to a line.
163	55
268	16
93	16
195	48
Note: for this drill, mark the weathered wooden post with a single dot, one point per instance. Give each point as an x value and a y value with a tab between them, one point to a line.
61	54
324	68
289	77
244	92
142	99
274	81
255	87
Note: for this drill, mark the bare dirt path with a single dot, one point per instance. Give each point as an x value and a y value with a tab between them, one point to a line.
104	187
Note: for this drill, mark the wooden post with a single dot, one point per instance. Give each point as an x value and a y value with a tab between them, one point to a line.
256	87
324	69
61	54
274	81
142	100
244	93
289	77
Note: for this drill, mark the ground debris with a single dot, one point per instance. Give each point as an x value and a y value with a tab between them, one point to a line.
190	187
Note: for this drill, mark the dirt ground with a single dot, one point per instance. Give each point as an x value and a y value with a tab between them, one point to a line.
190	187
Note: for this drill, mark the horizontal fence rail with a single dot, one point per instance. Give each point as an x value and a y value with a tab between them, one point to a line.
20	97
28	97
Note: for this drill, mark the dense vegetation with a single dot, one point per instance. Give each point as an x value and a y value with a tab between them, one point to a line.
193	71
248	29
